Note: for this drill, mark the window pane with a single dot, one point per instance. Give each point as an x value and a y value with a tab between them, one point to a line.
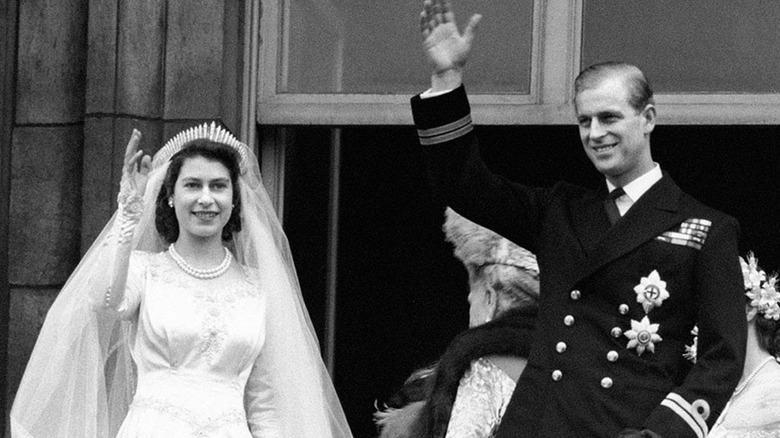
359	46
692	46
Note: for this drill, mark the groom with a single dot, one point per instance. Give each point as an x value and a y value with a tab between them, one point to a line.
624	277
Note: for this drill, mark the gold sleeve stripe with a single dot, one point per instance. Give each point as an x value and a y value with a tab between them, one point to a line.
694	418
444	133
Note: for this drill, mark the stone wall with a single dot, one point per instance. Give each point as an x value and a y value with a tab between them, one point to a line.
46	161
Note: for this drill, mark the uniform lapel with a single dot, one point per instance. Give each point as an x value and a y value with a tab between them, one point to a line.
590	220
655	212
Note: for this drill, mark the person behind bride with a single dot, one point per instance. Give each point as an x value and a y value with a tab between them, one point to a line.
465	394
754	408
185	317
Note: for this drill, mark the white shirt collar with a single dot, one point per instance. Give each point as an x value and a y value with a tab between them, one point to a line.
636	188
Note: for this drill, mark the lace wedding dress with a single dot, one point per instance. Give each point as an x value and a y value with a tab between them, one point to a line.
198	348
234	356
754	409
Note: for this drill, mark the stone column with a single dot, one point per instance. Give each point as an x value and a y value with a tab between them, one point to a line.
46	154
8	14
125	83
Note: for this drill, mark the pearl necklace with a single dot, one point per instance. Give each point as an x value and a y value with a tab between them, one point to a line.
752	375
203	274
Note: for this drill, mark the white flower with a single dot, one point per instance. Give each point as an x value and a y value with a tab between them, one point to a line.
761	289
651	291
643	336
773	313
767	300
751	273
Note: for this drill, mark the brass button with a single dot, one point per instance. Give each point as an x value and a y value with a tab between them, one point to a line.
568	320
560	347
606	383
557	375
612	356
616	332
575	294
623	309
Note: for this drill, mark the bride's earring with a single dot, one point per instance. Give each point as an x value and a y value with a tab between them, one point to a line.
170	202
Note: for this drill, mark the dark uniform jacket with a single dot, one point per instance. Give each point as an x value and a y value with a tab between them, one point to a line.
602	360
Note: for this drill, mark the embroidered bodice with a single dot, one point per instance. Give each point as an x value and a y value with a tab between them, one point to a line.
483	395
755	411
197	347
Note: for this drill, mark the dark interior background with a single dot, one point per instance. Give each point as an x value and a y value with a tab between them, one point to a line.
401	293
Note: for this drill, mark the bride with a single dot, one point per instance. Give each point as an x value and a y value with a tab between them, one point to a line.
185	317
754	409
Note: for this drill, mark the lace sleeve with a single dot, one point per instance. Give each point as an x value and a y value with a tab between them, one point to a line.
483	395
110	281
259	402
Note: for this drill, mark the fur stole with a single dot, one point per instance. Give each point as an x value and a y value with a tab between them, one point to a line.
509	335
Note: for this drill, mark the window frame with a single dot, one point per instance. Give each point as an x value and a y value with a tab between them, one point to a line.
555	62
276	108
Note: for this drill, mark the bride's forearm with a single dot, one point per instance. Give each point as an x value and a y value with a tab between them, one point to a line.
120	248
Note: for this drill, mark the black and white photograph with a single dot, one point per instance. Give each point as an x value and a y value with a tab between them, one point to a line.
389	219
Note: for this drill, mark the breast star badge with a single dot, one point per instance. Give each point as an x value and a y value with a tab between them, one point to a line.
651	291
643	336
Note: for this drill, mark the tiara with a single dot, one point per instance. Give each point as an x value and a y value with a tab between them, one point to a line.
205	131
760	288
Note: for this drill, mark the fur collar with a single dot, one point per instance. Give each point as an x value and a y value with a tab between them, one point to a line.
509	335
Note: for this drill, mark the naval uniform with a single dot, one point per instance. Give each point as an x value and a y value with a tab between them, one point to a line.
618	302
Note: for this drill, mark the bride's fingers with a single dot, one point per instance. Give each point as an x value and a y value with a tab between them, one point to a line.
134	158
131	164
132	145
146	164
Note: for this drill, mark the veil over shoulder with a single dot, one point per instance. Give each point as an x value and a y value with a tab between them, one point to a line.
80	379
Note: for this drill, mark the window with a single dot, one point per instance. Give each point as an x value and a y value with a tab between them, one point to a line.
349	62
345	62
710	61
373	47
711	46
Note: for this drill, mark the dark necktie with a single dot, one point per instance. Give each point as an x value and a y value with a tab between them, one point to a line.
609	204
